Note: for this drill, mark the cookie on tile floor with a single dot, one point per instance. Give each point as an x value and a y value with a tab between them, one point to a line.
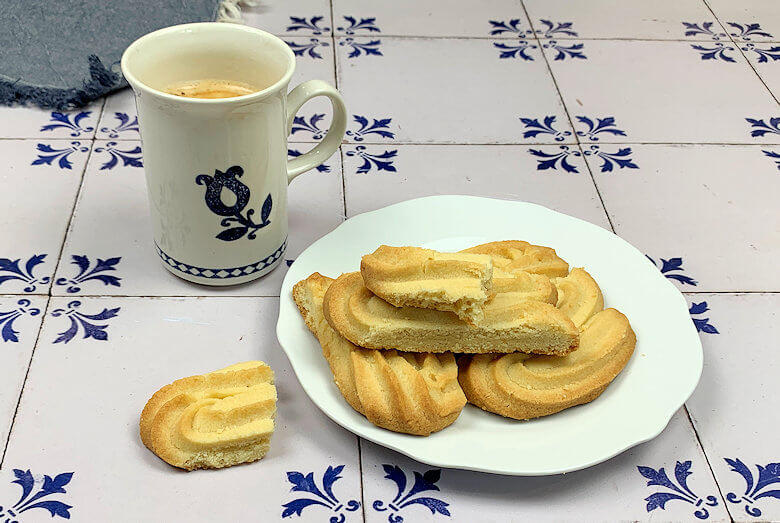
214	420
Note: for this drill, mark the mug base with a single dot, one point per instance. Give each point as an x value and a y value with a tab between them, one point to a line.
222	277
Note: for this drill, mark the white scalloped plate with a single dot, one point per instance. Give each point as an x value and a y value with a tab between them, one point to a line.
636	407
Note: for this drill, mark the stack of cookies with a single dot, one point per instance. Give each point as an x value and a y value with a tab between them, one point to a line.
505	326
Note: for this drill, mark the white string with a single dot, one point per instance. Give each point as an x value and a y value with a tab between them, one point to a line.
230	10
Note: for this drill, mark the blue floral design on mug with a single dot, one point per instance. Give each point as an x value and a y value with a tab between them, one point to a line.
245	224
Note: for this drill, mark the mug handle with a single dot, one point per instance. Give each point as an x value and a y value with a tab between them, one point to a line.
323	150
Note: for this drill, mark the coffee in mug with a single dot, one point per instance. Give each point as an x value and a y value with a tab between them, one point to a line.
211	88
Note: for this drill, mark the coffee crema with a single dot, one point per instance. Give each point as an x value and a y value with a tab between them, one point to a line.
210	88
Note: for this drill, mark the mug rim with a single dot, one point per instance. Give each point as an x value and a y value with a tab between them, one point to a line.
135	83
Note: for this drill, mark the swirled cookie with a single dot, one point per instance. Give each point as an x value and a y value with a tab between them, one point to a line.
512	255
214	420
579	296
417	277
410	393
520	386
510	325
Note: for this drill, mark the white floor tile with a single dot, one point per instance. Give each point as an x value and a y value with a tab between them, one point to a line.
109	249
40	179
749	20
734	406
765	58
613	491
20	319
662	92
499	171
290	17
80	408
438	18
32	122
632	19
449	91
712	206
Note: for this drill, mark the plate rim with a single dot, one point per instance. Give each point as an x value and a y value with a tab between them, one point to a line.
362	430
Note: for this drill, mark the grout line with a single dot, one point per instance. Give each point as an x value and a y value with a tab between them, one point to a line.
739	49
707	459
341	150
24	382
536	144
397	142
571	123
534	36
598	191
360	468
72	215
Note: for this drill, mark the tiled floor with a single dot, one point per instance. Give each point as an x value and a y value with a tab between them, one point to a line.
657	120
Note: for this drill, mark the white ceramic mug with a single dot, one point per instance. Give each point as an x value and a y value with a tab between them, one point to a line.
217	169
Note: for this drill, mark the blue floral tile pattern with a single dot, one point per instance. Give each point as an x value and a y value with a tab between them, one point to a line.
702	324
565	51
95	273
10	270
311	126
63	121
715	51
534	128
775	157
7	332
761	128
512	27
47	154
311	495
673	269
380	161
123	126
36	495
378	128
364	24
620	158
403	499
309	48
361	48
546	160
597	126
675	491
555	29
130	157
311	25
747	31
84	322
705	29
764	55
515	50
757	486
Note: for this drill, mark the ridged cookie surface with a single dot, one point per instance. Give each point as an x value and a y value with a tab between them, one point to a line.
403	392
214	420
512	255
521	387
509	325
417	277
